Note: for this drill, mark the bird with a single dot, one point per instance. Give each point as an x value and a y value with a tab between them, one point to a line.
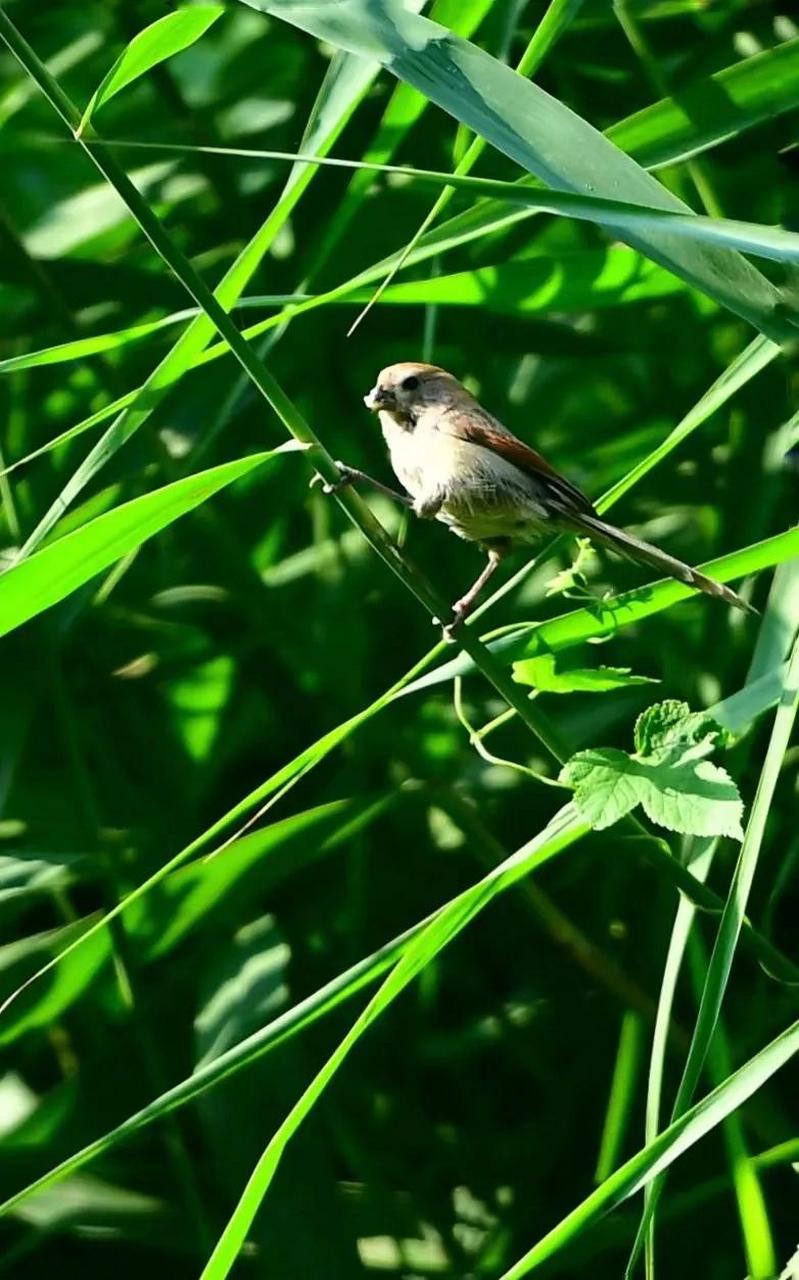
460	465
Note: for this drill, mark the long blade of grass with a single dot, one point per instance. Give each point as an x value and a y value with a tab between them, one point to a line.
713	109
541	135
773	646
758	1240
682	1134
732	918
555	21
53	573
760	696
95	345
346	83
81	348
635	218
622	1094
608	617
700	858
563	830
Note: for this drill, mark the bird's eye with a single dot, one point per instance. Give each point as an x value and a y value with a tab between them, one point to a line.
410	384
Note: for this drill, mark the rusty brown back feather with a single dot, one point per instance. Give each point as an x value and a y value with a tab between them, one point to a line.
489	434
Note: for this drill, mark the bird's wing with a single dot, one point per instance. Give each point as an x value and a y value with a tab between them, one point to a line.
484	431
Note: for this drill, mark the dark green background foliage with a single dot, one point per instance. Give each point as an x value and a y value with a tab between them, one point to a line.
149	702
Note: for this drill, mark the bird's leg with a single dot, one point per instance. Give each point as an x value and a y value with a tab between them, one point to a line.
350	475
463	607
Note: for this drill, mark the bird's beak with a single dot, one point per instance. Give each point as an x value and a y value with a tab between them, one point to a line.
378	398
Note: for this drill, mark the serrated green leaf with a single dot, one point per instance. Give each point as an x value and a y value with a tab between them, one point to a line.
694	797
604	789
689	796
654	723
668	776
541	674
670	727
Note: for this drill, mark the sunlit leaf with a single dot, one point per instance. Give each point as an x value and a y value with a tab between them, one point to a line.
161	40
50	575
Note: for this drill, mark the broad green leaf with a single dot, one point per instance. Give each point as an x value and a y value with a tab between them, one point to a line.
55	572
694	797
161	40
541	674
667	775
540	134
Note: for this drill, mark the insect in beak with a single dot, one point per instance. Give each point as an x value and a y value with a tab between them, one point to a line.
378	398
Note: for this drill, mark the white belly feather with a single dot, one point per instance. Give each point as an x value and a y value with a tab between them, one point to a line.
485	496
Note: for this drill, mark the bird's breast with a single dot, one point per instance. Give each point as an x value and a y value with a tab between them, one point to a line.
484	494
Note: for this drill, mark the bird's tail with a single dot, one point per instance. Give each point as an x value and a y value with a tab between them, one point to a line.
628	545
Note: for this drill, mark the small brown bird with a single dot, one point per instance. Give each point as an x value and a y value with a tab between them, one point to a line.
461	466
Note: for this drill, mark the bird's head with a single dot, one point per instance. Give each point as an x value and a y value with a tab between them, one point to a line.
406	390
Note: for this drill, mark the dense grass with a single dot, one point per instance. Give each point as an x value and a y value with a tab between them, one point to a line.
311	968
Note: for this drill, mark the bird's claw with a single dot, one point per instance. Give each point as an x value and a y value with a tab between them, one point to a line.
345	478
449	630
